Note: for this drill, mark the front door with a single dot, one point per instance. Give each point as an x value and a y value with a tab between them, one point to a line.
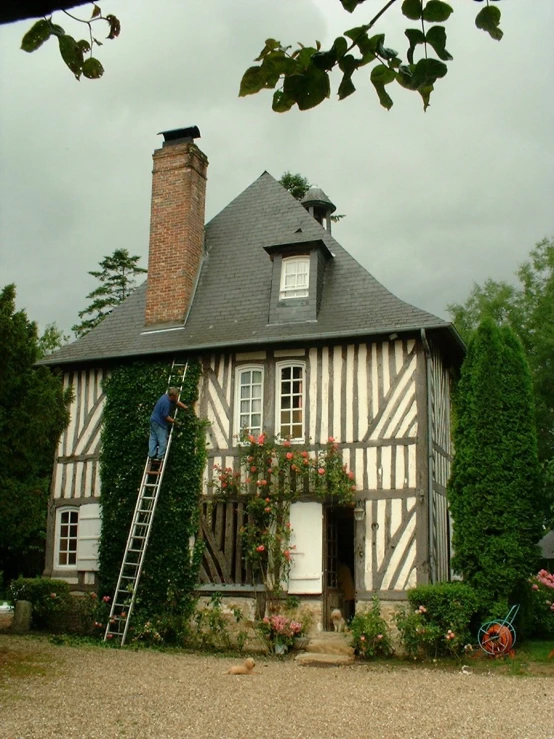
338	563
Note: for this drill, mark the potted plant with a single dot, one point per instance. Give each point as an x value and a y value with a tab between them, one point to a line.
279	632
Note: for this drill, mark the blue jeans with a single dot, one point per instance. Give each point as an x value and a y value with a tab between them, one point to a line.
158	440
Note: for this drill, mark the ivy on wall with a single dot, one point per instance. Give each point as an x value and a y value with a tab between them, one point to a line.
170	571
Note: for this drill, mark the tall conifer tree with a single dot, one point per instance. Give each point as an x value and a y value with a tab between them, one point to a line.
493	489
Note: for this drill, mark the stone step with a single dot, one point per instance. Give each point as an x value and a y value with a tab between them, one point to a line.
327	643
315	659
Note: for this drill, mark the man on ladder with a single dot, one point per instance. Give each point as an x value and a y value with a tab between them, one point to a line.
161	417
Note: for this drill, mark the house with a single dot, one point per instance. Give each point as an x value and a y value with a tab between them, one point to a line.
279	313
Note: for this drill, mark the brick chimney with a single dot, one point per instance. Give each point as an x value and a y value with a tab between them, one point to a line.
176	226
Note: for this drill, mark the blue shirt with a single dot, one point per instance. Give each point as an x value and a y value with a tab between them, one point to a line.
162	410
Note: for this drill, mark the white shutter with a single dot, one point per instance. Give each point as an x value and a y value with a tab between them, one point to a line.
88	536
306	575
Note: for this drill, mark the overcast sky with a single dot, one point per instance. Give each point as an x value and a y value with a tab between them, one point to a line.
434	201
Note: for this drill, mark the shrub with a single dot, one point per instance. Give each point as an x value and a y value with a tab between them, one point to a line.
50	598
439	620
371	634
542	608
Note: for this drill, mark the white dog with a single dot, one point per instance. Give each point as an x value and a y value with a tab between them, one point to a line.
339	624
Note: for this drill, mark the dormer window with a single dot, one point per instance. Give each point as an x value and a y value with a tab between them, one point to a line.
295	277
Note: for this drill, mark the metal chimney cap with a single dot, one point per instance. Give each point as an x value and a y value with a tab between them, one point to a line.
180	135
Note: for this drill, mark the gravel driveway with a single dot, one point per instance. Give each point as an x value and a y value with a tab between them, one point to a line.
88	692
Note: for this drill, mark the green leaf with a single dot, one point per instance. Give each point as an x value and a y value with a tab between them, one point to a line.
57	30
427	71
405	76
348	64
95	11
436	36
71	54
253	80
384	98
346	86
355	34
270	45
415	37
36	36
281	102
436	11
351	5
488	19
115	26
93	69
340	47
324	59
412	9
308	89
425	93
83	45
382	75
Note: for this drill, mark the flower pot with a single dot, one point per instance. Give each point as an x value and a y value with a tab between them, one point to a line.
281	648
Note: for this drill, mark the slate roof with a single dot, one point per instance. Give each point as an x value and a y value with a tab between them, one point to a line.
231	303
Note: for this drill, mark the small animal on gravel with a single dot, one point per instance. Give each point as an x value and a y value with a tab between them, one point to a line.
339	624
247	668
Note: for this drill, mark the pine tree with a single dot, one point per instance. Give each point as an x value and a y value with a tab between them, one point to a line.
495	475
117	279
33	413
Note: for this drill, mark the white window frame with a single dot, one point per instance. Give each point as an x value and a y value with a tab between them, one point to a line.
239	371
290	269
279	367
58	551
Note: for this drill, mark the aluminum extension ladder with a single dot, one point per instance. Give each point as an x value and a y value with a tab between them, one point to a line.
139	532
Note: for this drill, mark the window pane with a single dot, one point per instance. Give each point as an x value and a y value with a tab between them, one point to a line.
285	373
245	392
71	558
62	558
245	378
73	545
256	406
256	376
64	530
296	432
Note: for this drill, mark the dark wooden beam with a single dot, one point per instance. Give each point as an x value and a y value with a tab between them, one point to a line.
15	10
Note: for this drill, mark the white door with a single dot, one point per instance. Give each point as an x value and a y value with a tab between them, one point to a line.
88	536
306	572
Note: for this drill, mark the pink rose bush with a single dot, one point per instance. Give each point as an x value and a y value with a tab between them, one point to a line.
271	474
370	633
542	600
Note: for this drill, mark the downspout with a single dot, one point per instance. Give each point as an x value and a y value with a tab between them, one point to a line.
427	348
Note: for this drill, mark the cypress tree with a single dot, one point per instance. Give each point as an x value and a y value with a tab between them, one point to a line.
494	485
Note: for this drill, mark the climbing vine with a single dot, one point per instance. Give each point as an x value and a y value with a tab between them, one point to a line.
171	562
272	475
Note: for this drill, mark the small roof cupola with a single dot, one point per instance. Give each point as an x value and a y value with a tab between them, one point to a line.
320	206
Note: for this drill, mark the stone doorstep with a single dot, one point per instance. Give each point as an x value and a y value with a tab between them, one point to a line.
314	659
330	643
